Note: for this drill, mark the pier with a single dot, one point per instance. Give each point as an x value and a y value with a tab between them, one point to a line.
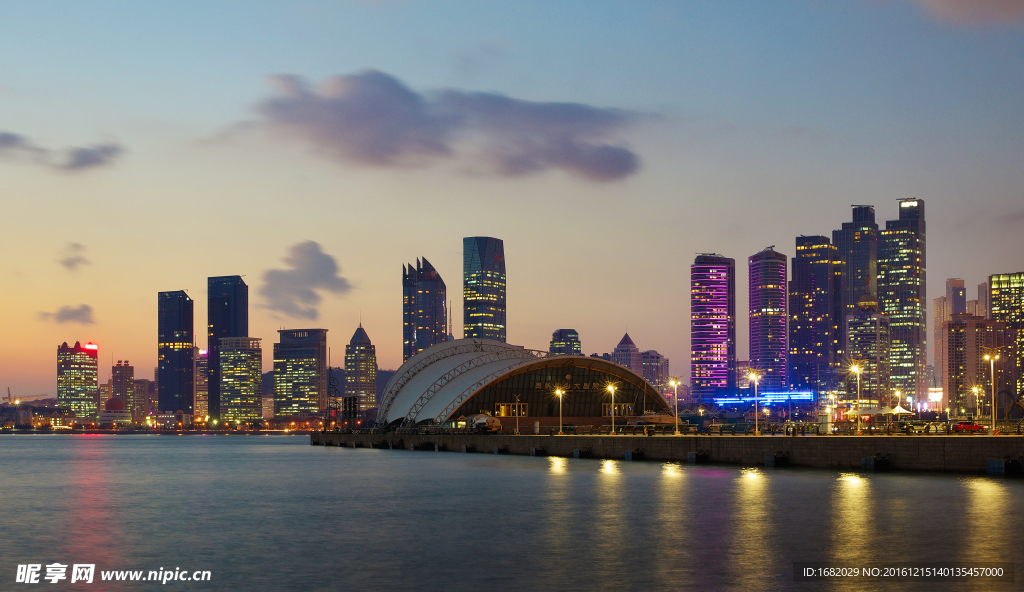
970	454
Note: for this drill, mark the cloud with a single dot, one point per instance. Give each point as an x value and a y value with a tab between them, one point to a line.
372	118
74	256
71	159
295	291
82	314
975	11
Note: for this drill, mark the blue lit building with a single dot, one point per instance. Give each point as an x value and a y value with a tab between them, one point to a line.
483	288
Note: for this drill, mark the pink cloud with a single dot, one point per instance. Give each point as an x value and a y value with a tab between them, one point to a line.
975	11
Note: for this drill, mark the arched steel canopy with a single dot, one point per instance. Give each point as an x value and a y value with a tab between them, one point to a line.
433	384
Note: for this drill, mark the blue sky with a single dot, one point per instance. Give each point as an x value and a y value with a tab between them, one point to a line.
751	122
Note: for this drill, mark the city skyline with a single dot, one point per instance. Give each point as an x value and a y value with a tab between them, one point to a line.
698	114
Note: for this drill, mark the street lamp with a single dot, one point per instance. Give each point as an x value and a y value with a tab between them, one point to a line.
559	392
755	377
611	389
856	370
975	390
518	410
992	366
675	385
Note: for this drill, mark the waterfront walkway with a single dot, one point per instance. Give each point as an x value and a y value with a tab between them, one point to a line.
926	453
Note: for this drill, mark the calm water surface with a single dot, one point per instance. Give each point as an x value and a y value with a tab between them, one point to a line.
274	513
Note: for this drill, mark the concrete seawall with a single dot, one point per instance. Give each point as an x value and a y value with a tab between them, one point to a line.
924	453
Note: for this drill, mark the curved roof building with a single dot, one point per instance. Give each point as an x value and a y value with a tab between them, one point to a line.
470	376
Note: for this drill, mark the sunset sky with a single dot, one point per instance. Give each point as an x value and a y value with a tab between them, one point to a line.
145	146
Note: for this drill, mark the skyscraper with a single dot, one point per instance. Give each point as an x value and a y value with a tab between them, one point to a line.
901	295
868	348
565	342
817	317
627	354
655	369
202	375
954	302
241	379
77	378
300	372
424	308
122	387
1006	304
857	243
361	369
175	343
768	319
983	297
712	326
483	288
227	315
966	340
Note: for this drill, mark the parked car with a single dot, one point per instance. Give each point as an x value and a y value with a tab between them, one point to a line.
968	426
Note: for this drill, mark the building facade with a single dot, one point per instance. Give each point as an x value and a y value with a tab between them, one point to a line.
857	244
565	342
424	308
175	345
966	340
627	355
901	294
954	302
712	327
78	378
483	288
361	370
655	370
817	317
300	372
868	348
768	318
241	379
122	387
1006	304
227	315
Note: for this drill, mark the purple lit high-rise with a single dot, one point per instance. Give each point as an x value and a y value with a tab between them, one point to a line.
768	320
712	326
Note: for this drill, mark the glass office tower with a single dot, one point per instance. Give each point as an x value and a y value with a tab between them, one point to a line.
175	352
227	315
816	315
300	372
857	243
712	327
768	319
483	288
77	378
424	308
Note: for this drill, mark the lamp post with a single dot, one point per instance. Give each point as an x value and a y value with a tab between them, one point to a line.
611	389
897	393
975	390
559	392
992	366
856	370
755	377
675	385
518	409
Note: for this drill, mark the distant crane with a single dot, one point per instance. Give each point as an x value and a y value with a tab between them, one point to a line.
9	398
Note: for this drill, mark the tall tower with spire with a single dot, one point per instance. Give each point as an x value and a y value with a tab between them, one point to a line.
361	369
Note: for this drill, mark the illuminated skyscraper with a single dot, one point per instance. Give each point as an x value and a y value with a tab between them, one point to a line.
868	348
227	315
361	369
1006	304
768	319
627	354
175	343
901	295
565	342
857	243
655	370
954	302
300	372
241	379
483	288
712	327
424	308
202	359
817	317
77	378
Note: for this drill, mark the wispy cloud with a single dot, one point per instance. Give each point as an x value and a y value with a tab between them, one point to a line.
74	256
19	147
372	118
295	291
975	11
67	314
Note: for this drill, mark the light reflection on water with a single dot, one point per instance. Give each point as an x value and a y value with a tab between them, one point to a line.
274	513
